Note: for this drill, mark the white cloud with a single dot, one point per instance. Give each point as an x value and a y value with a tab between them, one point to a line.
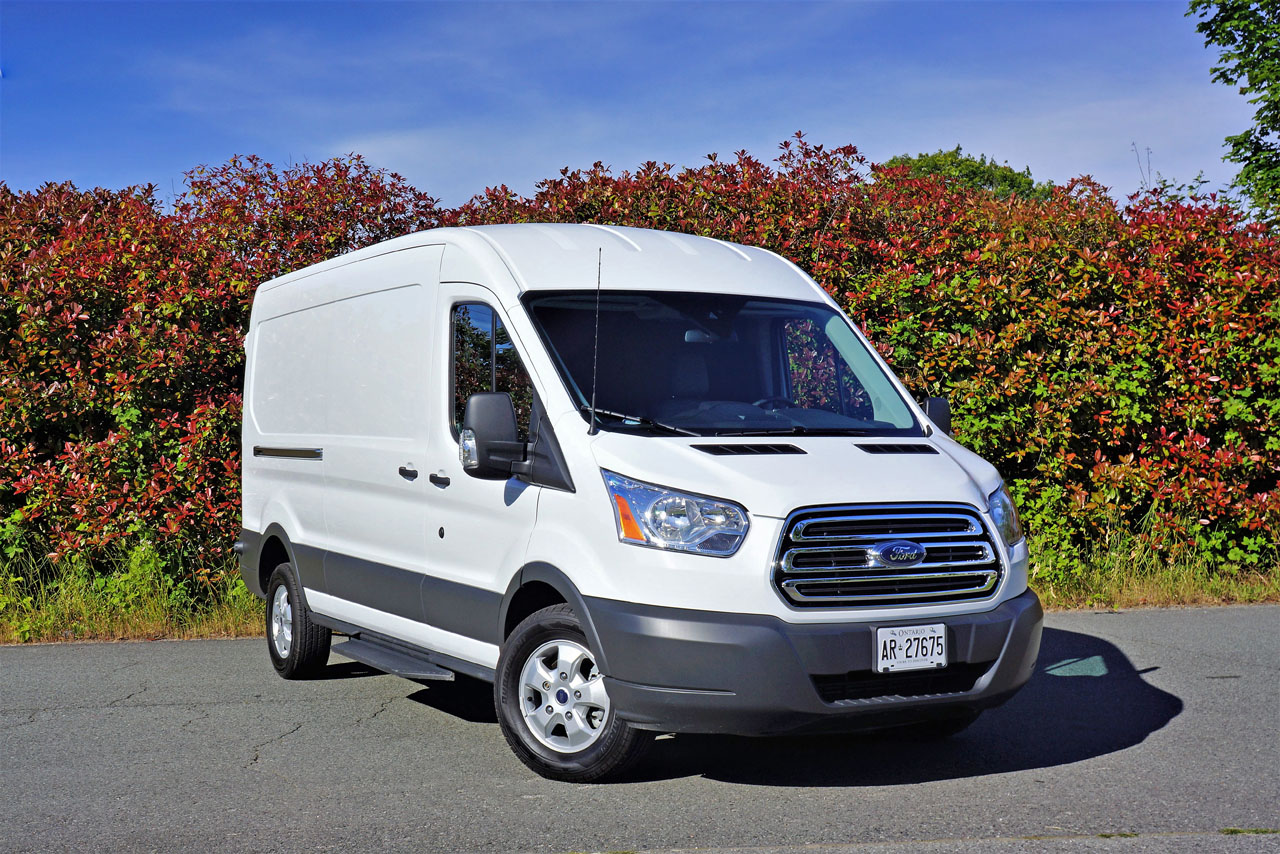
460	97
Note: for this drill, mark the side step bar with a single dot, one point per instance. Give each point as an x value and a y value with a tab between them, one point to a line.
394	661
421	656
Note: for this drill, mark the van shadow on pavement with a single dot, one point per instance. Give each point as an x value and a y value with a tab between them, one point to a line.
1084	700
464	697
345	670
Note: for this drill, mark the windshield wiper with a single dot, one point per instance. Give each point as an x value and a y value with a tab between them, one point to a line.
797	430
642	420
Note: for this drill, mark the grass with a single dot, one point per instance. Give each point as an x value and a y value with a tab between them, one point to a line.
1126	572
134	596
1108	586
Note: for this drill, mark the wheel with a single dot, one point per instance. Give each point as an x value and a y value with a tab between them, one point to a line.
298	647
939	728
552	704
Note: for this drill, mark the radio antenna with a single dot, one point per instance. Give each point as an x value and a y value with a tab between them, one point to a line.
595	355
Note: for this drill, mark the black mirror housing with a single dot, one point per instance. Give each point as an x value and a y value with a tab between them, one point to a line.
490	437
939	411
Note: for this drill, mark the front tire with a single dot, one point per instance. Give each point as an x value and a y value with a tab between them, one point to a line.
299	648
552	704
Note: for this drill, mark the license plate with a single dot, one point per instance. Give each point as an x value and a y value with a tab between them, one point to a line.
911	648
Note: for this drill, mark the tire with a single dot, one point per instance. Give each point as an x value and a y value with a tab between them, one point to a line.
580	739
939	729
299	649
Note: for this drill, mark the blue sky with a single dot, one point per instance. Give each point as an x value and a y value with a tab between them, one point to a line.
459	96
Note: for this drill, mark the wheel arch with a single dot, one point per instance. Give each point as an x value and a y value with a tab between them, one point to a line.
276	549
538	585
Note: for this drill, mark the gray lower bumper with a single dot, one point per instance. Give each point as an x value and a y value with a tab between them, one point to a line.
678	670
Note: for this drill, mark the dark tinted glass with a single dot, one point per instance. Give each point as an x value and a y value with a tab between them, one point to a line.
717	364
484	359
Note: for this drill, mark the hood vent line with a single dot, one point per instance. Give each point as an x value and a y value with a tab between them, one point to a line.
885	448
745	450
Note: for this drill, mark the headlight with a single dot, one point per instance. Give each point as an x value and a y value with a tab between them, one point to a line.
656	516
1000	505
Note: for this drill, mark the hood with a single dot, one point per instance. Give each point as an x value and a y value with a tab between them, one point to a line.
831	470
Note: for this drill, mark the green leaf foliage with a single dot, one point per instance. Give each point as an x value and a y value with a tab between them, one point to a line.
121	354
1247	36
999	179
1120	364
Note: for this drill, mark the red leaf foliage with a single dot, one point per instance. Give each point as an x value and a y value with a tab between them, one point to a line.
121	342
1120	364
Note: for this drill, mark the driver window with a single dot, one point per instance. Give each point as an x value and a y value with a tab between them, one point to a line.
484	359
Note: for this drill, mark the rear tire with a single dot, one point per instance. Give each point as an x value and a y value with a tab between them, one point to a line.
552	704
299	648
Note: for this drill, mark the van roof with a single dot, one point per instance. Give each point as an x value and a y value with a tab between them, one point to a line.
564	256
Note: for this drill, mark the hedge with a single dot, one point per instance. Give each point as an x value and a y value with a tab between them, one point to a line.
1118	362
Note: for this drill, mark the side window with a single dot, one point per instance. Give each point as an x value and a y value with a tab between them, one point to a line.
819	377
484	359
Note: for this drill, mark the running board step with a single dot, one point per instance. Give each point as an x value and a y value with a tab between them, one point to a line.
393	661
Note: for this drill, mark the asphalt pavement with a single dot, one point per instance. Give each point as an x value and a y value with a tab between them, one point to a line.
1143	731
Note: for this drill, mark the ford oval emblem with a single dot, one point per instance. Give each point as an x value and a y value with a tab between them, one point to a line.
897	553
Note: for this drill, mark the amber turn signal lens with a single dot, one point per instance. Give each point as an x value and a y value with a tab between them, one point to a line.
626	521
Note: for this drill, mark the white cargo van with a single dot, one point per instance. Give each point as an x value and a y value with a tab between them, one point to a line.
641	481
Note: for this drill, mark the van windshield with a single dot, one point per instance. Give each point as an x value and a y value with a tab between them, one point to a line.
717	365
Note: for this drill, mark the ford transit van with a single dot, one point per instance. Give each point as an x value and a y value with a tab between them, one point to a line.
642	482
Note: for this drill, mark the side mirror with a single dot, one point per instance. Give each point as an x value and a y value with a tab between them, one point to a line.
489	445
939	411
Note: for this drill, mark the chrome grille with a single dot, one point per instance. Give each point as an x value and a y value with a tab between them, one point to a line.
828	556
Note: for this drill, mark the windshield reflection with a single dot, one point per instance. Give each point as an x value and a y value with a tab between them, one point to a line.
713	364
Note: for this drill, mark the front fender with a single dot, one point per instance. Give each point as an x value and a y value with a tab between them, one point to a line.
540	571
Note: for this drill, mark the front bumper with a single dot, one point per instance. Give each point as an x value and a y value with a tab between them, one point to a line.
676	670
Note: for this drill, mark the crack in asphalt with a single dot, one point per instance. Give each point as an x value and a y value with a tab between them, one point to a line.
382	707
31	717
203	716
127	697
257	748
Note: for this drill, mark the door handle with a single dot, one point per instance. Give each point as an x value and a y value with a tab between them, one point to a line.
438	479
408	473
